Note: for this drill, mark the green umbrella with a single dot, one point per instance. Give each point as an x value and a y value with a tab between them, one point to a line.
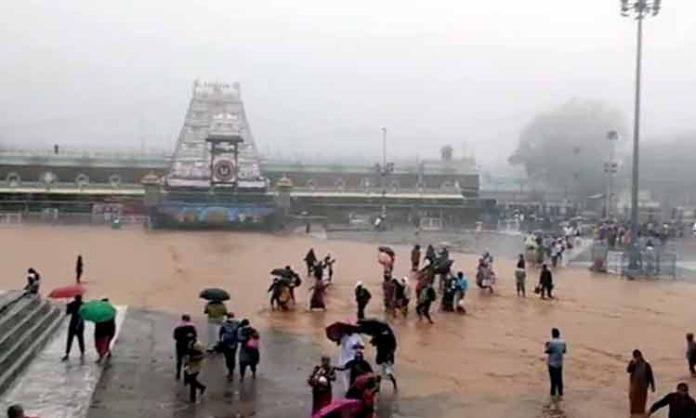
97	311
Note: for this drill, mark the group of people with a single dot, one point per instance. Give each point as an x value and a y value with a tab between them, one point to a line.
642	379
541	248
226	336
104	331
286	280
359	380
545	286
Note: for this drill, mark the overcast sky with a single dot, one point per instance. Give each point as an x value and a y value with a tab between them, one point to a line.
320	77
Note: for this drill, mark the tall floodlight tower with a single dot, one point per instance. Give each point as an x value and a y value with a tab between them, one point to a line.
637	10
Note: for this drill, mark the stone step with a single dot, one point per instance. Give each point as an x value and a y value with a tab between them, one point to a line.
52	388
23	316
8	299
15	313
25	340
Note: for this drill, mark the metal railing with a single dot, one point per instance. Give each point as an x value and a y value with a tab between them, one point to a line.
658	261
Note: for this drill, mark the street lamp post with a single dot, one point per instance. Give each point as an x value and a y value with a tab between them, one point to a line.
638	10
384	170
611	167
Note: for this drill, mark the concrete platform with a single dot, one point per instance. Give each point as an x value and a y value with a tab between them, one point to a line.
139	379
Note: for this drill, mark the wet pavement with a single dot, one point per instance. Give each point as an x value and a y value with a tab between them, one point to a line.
50	388
139	381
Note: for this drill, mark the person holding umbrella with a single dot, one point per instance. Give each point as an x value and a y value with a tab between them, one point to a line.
350	344
345	335
386	257
384	340
76	326
104	332
103	314
216	311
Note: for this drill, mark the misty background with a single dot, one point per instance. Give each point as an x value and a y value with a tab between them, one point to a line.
319	78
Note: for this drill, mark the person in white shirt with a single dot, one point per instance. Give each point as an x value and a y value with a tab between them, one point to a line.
350	344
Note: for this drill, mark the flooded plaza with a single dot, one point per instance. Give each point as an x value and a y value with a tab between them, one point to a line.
487	363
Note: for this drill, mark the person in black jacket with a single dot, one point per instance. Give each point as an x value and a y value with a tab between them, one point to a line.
545	282
681	405
184	335
76	326
362	297
357	367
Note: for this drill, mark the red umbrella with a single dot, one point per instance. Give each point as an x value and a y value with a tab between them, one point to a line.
339	408
335	331
67	292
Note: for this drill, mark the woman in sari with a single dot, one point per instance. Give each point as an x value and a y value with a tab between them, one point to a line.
641	377
318	291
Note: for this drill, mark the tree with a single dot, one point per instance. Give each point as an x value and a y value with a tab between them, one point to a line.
566	148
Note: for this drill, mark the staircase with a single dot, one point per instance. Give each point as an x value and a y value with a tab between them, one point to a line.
26	324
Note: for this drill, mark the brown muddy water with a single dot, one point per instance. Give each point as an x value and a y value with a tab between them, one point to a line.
487	363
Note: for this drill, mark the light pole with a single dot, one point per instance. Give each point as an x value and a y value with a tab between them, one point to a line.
384	170
638	10
611	167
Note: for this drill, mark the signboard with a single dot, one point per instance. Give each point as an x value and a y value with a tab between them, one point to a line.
182	214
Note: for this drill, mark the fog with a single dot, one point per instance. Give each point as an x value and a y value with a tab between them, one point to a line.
319	78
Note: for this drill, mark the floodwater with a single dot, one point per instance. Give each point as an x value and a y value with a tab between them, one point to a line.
487	363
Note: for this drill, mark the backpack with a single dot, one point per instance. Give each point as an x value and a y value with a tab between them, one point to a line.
229	334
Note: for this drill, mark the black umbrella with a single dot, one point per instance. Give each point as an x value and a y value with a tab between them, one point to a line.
373	327
214	293
283	272
382	335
